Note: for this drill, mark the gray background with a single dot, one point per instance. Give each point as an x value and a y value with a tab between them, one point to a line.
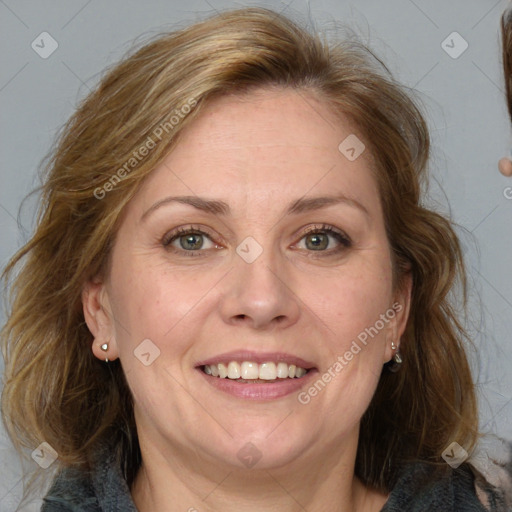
463	98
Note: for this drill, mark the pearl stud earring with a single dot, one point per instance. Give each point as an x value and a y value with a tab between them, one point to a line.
104	347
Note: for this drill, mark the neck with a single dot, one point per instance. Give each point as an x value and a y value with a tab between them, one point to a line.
181	479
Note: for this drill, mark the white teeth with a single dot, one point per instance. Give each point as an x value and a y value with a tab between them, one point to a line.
300	372
233	370
268	371
248	370
223	371
282	370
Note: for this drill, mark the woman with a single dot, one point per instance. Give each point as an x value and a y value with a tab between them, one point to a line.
234	299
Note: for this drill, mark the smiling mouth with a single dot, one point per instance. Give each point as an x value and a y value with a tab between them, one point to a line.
248	372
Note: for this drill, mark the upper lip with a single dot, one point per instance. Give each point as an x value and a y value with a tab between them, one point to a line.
257	357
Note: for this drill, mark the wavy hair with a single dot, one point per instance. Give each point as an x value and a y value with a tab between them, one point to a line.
506	50
57	391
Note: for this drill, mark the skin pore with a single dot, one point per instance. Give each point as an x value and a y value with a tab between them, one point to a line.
309	294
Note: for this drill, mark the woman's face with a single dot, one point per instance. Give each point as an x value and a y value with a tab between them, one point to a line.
260	278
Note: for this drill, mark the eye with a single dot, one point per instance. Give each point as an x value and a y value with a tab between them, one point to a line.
193	241
187	241
319	239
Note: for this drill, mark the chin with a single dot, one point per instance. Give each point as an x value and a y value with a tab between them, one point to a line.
263	446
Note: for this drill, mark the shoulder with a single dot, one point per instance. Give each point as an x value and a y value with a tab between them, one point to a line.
71	491
422	486
496	478
103	487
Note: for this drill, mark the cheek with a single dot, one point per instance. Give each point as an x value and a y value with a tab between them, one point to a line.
354	298
166	305
354	337
149	301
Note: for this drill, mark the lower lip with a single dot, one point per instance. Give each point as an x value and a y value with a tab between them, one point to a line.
264	391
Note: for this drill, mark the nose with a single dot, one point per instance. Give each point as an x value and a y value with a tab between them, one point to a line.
259	294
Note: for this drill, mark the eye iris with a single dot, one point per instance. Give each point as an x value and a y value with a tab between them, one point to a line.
318	241
195	241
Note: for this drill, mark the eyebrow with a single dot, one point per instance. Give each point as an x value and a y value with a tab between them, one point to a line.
218	207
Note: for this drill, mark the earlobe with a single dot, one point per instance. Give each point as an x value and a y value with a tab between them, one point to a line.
401	308
98	317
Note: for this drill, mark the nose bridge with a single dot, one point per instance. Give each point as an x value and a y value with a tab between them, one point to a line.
258	291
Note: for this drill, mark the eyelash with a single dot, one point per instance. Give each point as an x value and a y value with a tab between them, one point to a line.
178	233
342	238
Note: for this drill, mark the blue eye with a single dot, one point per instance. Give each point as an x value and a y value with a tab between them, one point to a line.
189	240
193	241
318	239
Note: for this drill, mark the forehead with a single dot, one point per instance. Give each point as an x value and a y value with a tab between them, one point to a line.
267	143
271	120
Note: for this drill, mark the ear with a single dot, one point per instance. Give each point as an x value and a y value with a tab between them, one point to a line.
401	307
99	319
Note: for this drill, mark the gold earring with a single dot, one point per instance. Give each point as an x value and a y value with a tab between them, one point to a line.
104	347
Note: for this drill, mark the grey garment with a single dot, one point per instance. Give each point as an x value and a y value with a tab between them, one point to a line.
455	491
105	490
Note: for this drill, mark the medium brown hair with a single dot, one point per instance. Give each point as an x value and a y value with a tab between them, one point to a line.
57	391
506	42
